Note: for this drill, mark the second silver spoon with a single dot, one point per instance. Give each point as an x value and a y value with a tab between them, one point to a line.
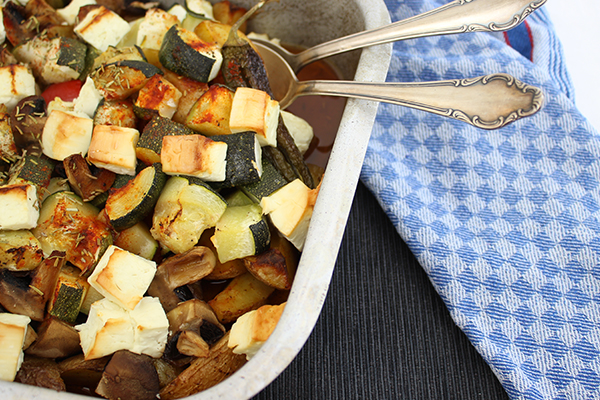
458	16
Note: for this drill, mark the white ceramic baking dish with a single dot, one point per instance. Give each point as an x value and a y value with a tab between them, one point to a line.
303	22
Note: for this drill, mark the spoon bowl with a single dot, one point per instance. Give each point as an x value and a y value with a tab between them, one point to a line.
487	102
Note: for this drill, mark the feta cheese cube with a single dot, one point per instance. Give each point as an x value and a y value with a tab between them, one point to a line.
65	134
122	277
254	110
252	329
107	329
102	28
16	83
69	13
151	327
153	28
194	155
299	129
290	209
110	328
113	148
19	207
89	98
13	329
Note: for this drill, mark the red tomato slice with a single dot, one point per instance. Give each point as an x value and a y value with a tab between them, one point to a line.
66	91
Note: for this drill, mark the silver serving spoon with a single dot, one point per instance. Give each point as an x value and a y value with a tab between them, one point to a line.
487	102
459	16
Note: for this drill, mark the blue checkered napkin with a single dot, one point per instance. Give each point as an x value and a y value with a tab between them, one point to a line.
506	223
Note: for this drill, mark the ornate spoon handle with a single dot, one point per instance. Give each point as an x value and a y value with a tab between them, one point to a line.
459	16
487	102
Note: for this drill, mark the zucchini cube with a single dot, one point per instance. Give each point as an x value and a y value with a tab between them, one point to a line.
254	110
159	95
290	209
16	83
13	329
122	277
101	28
65	134
113	148
194	155
19	207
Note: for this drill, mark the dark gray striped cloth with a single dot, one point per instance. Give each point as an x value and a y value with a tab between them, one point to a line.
384	333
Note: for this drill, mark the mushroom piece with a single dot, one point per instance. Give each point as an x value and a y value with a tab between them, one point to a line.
180	270
56	339
190	343
82	375
40	372
86	184
28	119
28	295
129	376
196	316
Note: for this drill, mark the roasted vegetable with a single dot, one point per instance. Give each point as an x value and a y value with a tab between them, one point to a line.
28	119
158	96
68	294
184	53
129	376
204	372
19	250
42	372
81	179
131	203
55	339
148	148
121	79
210	114
243	294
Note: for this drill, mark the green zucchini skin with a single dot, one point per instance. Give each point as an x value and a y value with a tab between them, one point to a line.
149	70
184	58
149	145
262	236
269	182
242	160
35	170
128	205
72	54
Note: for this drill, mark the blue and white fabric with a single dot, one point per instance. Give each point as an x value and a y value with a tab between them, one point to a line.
506	223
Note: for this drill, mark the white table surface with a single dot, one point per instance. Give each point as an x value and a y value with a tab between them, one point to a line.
578	29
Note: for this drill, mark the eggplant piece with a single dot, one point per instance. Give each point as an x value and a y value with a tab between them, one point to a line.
28	119
204	372
56	339
84	183
129	376
40	372
16	24
179	270
78	373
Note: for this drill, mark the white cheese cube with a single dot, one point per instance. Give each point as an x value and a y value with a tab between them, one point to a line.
153	28
113	148
2	29
254	110
107	329
151	327
194	155
179	11
69	13
16	83
65	134
20	208
299	130
252	329
290	209
102	28
89	98
122	277
13	329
